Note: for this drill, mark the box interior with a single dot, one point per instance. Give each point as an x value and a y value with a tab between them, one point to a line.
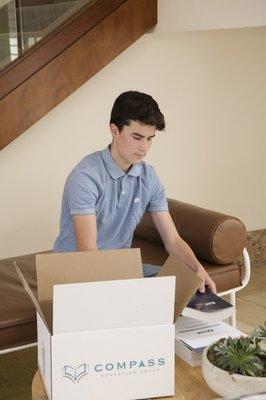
104	265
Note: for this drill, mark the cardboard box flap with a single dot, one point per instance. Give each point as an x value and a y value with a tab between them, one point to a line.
31	294
47	310
61	268
187	282
113	304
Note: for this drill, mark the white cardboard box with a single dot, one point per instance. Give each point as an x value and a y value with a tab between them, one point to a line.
188	355
104	331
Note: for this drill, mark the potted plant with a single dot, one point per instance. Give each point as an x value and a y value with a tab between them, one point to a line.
236	367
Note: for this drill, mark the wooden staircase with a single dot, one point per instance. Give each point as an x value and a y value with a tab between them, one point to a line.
35	83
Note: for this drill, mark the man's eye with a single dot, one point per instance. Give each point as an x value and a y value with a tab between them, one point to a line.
136	137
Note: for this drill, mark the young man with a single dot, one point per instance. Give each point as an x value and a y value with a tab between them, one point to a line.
107	193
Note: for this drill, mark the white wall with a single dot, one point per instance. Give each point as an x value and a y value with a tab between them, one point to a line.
191	15
211	87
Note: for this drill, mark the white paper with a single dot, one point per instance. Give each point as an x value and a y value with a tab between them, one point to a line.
196	333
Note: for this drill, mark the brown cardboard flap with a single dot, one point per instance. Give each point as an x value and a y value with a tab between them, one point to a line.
85	266
30	293
47	310
187	282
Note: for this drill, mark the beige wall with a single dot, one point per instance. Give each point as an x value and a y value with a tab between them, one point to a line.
211	86
191	15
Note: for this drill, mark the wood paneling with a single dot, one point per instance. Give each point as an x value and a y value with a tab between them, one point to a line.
66	72
54	44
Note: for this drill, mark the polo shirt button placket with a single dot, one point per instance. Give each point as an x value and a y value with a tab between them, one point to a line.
123	196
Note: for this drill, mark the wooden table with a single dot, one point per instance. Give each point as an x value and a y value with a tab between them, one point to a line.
189	384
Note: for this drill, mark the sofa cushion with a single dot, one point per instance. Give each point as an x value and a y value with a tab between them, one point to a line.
215	237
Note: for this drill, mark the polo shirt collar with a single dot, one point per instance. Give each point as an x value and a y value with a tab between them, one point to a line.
114	170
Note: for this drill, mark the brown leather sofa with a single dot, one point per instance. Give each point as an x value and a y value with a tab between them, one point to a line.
216	239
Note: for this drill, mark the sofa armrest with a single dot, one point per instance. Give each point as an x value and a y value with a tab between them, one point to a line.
214	237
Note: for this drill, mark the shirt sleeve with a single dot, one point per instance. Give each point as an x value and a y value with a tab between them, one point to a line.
81	193
158	200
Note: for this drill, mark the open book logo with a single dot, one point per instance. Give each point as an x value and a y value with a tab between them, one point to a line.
75	374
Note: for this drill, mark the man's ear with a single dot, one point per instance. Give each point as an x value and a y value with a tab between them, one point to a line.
114	130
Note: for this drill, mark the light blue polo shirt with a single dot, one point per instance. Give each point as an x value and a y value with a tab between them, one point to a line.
97	185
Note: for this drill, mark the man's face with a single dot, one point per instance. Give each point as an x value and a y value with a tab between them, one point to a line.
131	145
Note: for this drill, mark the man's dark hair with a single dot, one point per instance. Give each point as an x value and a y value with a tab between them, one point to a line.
136	106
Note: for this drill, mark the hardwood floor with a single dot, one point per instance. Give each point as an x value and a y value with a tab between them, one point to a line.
251	301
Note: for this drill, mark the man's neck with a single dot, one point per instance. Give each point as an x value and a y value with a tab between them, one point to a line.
120	162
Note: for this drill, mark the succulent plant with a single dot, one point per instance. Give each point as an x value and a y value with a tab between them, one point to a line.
244	355
262	347
260	331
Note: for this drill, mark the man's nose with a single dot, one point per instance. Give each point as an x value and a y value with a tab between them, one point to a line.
144	146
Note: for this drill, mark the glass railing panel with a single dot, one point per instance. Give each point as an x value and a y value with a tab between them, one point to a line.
8	33
24	22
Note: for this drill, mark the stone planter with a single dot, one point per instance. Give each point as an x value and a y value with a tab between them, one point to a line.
230	386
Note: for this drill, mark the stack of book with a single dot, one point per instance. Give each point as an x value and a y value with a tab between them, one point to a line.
201	324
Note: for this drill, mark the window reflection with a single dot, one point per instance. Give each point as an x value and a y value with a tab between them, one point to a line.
24	22
8	33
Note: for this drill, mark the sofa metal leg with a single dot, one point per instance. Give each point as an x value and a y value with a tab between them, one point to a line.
245	280
233	302
11	349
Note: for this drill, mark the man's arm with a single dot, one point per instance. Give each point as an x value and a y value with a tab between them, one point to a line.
176	246
85	228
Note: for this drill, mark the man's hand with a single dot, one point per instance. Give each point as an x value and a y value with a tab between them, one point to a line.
206	280
178	247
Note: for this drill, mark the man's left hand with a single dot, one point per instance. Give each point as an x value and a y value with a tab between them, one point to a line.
206	280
